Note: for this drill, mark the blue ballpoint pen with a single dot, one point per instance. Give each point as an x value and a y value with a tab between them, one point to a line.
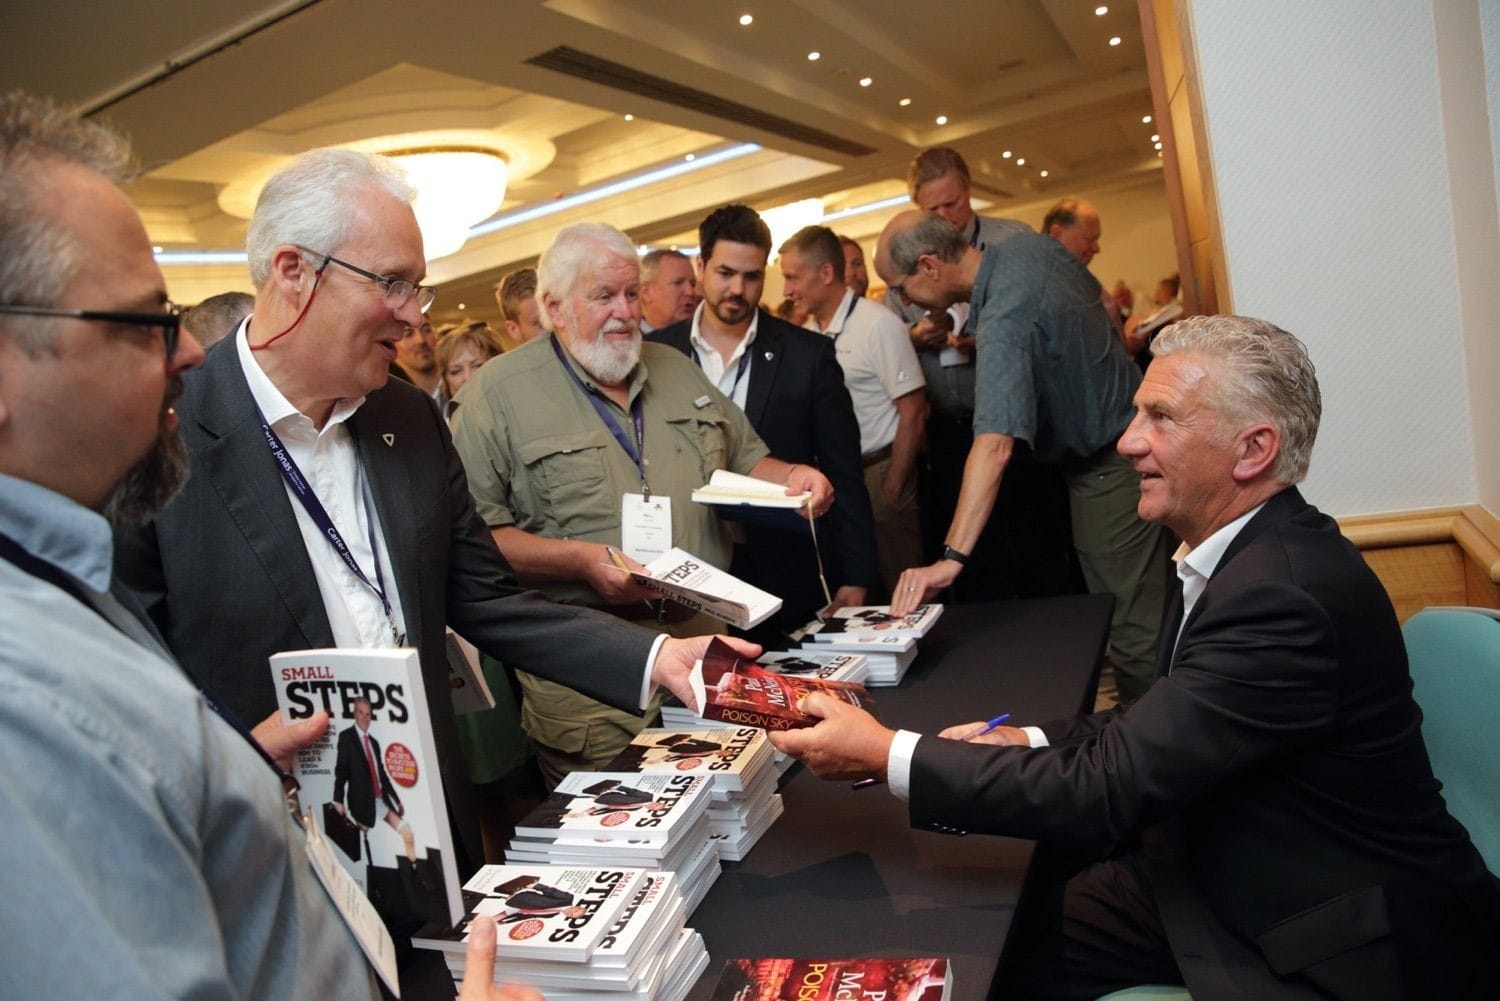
867	783
989	726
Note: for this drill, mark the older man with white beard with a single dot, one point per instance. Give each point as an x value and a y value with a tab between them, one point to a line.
584	447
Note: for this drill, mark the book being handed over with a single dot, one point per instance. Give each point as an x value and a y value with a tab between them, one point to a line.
690	580
734	689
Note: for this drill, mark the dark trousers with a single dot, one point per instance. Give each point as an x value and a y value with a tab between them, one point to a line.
1083	930
1026	548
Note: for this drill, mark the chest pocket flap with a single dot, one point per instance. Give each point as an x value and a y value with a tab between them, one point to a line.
568	481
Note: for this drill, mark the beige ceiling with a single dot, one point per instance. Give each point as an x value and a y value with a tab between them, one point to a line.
217	93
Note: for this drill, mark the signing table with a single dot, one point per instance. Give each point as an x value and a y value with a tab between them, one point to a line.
843	874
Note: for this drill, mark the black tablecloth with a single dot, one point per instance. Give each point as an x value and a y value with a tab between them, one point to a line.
843	874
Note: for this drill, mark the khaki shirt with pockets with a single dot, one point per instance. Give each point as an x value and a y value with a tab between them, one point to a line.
539	457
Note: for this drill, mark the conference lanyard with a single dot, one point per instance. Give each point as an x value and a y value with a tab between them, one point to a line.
315	510
848	312
738	372
636	450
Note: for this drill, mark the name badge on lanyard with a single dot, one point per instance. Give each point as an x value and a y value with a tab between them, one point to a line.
645	526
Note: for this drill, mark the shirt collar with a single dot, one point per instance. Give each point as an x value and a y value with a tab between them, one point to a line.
273	404
696	337
840	316
58	530
1203	559
633	385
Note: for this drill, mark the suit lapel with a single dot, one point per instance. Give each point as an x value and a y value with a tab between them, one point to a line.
1171	625
1276	510
238	463
765	361
379	442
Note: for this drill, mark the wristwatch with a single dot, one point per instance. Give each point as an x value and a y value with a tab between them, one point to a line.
949	553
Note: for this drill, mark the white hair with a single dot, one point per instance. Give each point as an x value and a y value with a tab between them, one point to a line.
574	247
1265	376
312	200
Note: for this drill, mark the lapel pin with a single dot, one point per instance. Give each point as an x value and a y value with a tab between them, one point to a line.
770	355
390	439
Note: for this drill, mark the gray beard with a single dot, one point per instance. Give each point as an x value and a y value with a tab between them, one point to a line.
150	484
608	364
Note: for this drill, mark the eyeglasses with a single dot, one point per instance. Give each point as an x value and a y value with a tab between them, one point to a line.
170	321
397	290
900	287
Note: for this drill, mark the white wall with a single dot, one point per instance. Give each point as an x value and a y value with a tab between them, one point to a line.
1340	193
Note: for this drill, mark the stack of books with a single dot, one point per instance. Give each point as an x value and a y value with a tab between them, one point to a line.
744	802
888	642
654	821
580	933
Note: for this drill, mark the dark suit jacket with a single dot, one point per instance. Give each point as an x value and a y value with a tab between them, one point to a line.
797	403
351	774
224	572
1290	821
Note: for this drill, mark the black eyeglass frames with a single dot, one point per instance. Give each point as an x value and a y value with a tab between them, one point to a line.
170	321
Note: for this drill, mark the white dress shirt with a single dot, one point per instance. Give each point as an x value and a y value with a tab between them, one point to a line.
1194	568
331	467
732	377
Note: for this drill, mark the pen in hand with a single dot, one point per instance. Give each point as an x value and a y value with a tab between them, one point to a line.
614	557
867	783
988	727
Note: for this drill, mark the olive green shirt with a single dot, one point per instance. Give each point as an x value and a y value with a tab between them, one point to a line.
539	457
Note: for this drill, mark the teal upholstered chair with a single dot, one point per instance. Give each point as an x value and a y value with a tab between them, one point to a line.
1455	672
1149	992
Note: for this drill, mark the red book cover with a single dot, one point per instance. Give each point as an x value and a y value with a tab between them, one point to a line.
743	693
867	979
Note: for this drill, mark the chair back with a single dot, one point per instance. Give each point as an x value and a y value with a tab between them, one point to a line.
1455	670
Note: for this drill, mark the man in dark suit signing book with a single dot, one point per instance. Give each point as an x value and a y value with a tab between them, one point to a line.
1268	821
327	506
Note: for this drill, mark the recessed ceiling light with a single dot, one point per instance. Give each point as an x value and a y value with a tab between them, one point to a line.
904	102
865	81
942	119
1156	138
691	157
1115	40
462	306
1044	173
746	20
630	118
1158	152
1020	161
813	57
1156	146
1101	10
1145	119
1006	154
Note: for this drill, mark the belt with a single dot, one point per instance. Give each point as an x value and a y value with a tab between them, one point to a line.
879	455
657	611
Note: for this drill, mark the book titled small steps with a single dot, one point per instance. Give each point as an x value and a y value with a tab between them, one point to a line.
888	642
872	978
658	821
638	945
739	760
